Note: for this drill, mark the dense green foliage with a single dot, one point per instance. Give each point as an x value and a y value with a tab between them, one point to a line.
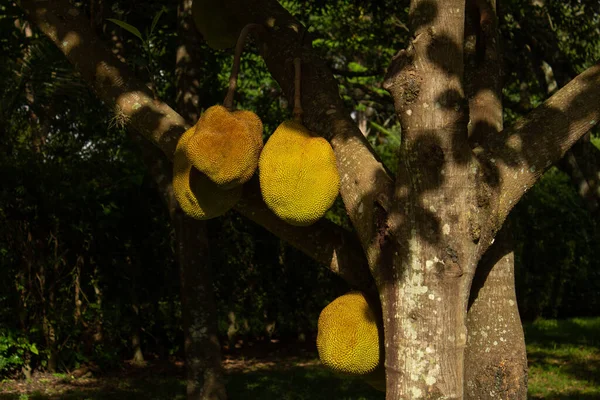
86	249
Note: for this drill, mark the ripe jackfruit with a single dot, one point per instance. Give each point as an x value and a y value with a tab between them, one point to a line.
197	195
226	145
348	336
215	22
298	175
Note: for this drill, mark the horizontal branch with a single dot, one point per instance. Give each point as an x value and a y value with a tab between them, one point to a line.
135	106
364	179
517	157
355	74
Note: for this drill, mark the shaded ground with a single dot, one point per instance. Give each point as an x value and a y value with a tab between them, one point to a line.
564	363
263	372
564	358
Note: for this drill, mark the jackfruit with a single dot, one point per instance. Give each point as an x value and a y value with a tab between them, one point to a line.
226	145
298	175
198	196
219	28
348	337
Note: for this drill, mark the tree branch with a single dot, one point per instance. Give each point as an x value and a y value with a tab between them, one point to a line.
354	74
364	179
134	105
582	164
516	158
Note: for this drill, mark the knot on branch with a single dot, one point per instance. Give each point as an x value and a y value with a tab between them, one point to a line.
401	78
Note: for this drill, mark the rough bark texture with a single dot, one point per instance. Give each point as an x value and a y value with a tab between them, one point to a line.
424	292
134	105
517	157
495	360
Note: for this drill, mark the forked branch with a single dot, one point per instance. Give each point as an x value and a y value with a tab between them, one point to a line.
517	157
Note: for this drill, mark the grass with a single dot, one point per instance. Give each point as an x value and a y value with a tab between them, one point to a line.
564	363
564	358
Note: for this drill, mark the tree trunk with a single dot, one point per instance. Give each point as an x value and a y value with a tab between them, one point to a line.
495	360
204	373
136	344
493	322
428	261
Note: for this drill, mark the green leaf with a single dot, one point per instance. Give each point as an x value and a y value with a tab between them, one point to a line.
155	20
130	28
34	349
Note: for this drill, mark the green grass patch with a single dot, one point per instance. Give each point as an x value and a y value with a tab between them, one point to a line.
564	358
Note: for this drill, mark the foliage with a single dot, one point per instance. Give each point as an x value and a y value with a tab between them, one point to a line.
558	257
14	349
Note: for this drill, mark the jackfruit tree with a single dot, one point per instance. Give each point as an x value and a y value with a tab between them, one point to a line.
427	243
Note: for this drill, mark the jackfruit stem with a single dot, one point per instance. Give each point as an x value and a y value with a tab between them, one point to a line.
297	98
235	68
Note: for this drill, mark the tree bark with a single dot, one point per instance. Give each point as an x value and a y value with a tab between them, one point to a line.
425	277
204	372
202	348
495	358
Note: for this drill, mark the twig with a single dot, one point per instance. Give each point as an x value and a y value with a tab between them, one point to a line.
297	87
235	69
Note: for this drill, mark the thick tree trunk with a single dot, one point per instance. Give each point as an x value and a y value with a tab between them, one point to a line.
495	360
424	291
493	322
204	373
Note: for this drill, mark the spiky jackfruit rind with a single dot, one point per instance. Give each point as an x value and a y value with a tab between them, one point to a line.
299	179
219	28
198	196
226	145
348	336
